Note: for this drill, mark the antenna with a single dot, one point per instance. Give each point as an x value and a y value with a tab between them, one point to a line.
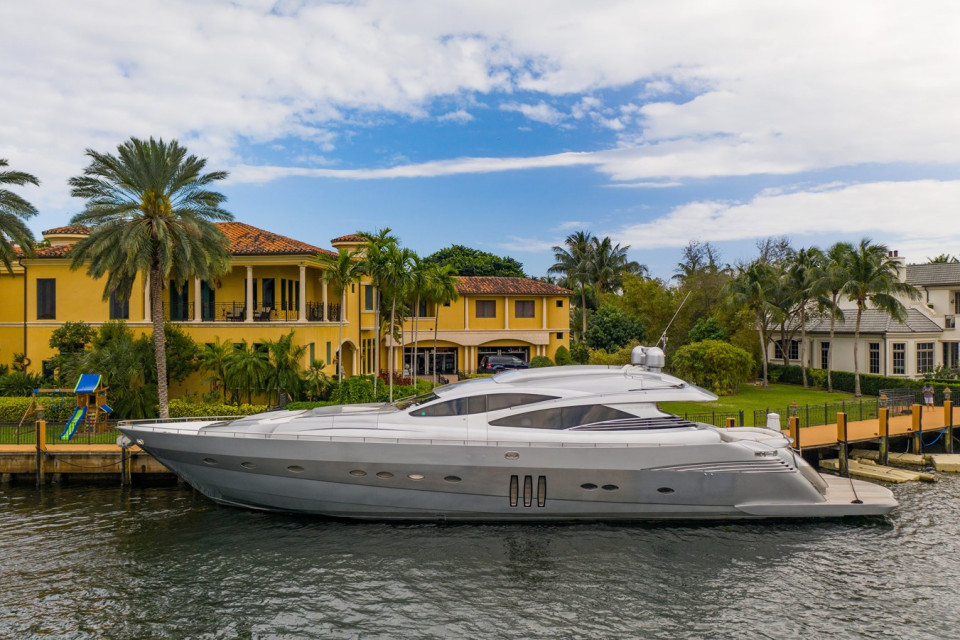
663	336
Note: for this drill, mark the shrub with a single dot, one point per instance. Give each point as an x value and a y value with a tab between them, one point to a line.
579	352
718	366
353	390
610	329
308	404
616	359
540	361
19	384
870	384
56	409
562	356
180	408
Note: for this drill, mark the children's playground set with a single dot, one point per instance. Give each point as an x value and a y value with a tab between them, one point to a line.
89	413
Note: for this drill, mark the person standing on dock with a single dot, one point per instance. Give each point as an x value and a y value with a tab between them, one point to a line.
928	395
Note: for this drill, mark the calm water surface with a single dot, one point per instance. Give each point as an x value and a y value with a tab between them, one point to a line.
102	562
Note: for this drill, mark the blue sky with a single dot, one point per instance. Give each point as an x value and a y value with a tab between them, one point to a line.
506	126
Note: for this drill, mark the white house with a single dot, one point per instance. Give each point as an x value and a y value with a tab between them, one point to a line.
928	338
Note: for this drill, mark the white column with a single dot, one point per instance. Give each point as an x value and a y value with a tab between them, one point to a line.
506	312
249	317
196	300
323	298
356	361
544	313
303	294
146	296
466	315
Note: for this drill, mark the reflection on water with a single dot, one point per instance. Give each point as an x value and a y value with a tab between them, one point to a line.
103	562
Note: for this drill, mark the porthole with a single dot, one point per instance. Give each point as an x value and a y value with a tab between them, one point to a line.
209	461
511	455
665	490
386	475
295	468
453	478
357	473
610	487
415	476
589	486
248	465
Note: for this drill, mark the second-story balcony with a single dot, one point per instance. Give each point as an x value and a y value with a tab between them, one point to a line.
237	312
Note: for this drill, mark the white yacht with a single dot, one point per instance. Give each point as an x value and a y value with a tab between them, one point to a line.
552	444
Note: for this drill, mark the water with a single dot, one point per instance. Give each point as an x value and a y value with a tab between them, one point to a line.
102	562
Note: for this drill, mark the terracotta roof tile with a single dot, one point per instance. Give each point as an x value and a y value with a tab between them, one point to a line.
352	237
493	285
247	240
77	229
60	251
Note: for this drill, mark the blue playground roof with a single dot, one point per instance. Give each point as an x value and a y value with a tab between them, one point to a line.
87	383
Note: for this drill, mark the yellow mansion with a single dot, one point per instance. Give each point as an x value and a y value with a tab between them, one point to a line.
276	285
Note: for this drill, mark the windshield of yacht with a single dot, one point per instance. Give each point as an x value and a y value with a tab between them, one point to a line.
415	401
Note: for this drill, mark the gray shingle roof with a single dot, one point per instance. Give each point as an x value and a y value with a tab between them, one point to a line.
920	275
874	321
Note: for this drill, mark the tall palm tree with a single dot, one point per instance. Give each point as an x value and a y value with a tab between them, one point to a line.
872	277
575	260
611	264
13	211
441	290
419	281
395	280
831	281
753	288
150	213
803	271
213	358
342	269
247	370
284	373
374	252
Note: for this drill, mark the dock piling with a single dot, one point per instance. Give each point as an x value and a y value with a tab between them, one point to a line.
795	431
917	415
948	426
842	442
730	422
883	415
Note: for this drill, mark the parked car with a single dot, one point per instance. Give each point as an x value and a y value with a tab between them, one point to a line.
494	364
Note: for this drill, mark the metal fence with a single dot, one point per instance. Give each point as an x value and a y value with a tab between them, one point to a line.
11	433
812	415
716	418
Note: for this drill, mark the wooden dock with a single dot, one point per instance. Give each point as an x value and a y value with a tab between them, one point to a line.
913	424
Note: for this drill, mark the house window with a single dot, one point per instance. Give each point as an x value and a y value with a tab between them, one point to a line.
794	350
208	301
924	357
559	304
368	298
824	355
179	301
559	335
46	298
269	292
524	309
899	358
956	302
486	308
119	308
874	357
330	352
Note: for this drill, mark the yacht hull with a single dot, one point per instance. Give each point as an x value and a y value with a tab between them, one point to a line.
409	480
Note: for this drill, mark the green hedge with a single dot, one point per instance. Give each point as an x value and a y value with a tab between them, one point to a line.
298	406
184	409
55	409
870	384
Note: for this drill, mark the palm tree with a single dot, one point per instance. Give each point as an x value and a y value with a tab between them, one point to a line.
419	281
803	271
247	370
831	280
316	379
284	374
873	277
395	280
611	264
342	269
213	358
753	288
374	250
441	290
576	262
13	211
150	213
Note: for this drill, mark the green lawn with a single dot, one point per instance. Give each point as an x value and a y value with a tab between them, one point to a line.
752	398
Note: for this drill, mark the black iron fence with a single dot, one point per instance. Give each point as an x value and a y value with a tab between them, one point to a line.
716	418
12	433
237	312
812	415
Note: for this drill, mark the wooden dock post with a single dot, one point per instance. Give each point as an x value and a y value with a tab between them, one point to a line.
842	441
948	426
795	431
883	415
730	422
917	415
41	438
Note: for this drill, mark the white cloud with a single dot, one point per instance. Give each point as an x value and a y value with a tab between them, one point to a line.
460	116
913	215
540	112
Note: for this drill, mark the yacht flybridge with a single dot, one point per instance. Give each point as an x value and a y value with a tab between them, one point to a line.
550	444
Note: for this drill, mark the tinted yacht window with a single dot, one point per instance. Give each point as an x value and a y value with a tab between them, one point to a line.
457	407
562	417
505	400
479	404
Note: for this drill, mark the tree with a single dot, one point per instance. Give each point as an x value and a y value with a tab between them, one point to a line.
707	329
316	380
247	370
150	213
832	277
610	265
441	290
803	271
181	352
395	280
284	372
873	277
612	329
472	262
562	356
943	258
419	281
13	211
752	288
575	262
342	269
71	337
373	265
213	357
718	366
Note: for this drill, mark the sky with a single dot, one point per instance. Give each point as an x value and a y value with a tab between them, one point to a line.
507	126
